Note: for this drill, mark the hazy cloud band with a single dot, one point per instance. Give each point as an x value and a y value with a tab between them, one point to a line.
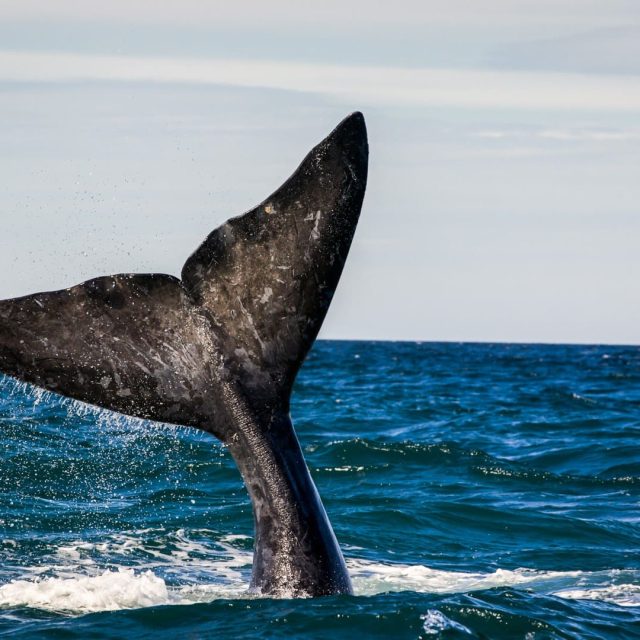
358	85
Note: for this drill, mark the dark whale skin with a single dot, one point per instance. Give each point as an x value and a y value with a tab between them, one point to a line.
220	348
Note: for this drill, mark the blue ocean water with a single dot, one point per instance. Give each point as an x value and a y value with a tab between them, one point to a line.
478	491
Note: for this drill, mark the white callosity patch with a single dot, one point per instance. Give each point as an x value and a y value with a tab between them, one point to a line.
315	232
266	296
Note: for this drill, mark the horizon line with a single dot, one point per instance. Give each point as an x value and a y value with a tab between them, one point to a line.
522	343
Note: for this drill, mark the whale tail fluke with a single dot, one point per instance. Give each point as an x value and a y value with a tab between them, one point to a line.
249	305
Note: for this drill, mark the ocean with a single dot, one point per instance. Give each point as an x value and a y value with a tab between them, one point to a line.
477	490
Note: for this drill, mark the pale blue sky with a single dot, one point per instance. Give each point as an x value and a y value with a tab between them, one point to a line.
505	150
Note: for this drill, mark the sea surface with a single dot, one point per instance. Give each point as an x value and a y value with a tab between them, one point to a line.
477	490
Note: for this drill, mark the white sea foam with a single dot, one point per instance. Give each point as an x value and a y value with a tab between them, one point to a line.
110	591
170	568
122	589
434	621
624	595
370	578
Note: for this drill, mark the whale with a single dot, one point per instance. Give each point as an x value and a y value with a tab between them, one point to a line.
219	348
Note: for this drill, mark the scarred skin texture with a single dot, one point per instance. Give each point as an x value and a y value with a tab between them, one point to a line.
220	348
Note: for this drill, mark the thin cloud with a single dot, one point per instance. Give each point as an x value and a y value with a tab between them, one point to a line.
359	85
601	51
561	135
341	14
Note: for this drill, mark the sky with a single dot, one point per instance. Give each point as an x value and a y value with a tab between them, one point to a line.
503	196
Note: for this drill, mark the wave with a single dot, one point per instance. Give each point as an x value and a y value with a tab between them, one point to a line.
378	455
